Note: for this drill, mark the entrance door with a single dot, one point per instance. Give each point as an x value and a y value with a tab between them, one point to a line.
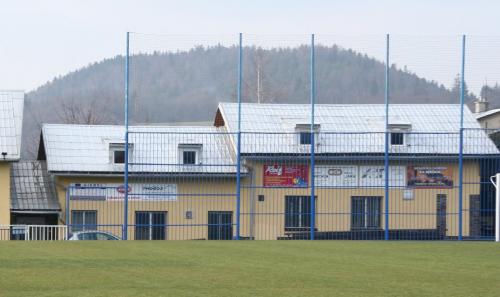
220	225
150	225
297	213
365	213
441	215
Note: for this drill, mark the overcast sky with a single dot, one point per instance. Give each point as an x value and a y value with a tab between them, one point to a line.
43	39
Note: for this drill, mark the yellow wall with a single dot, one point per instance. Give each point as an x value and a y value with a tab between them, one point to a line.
190	199
4	193
333	205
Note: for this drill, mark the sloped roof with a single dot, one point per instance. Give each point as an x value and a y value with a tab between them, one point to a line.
86	148
486	113
356	128
11	120
32	188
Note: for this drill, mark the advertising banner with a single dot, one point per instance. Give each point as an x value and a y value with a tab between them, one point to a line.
280	175
374	176
149	192
342	176
429	177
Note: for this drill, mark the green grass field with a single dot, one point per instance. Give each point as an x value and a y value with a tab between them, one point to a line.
198	268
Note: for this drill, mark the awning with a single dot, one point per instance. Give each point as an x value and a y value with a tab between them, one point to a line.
32	189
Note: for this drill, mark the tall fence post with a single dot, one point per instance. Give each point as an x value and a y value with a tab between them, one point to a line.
238	149
461	144
386	146
67	210
313	99
125	199
494	180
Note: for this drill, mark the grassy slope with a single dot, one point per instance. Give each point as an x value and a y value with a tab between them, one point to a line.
332	268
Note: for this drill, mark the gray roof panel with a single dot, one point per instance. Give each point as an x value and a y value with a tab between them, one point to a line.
356	128
86	148
11	119
32	188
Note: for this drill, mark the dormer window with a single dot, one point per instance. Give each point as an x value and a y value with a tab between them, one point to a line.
398	133
397	138
117	153
119	157
190	154
304	133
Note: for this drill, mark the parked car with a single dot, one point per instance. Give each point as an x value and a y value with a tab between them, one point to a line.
93	235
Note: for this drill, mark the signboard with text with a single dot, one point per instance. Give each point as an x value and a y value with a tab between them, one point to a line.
374	176
429	177
342	176
281	175
147	192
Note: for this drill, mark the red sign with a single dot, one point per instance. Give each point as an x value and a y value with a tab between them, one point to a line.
286	175
121	189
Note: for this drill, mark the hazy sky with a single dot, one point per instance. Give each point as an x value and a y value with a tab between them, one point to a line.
43	39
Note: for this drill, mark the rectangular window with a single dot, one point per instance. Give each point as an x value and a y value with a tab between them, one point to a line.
190	154
297	213
117	153
304	133
397	138
305	137
150	225
119	157
365	213
82	220
189	157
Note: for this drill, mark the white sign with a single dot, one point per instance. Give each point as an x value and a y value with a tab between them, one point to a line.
408	194
342	176
374	176
147	192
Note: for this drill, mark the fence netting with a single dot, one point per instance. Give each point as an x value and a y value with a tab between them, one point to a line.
267	137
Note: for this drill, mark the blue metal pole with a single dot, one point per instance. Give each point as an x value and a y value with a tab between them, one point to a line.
461	144
125	202
238	149
68	218
386	149
313	99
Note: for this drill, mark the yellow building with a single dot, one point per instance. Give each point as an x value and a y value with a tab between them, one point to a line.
11	118
178	176
183	180
423	190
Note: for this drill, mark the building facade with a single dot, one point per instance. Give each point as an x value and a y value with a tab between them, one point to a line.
11	118
183	181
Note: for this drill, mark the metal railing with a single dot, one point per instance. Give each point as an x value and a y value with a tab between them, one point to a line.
34	232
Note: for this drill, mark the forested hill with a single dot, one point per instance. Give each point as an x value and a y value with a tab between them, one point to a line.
186	86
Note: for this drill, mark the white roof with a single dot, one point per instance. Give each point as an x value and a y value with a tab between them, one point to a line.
11	120
86	148
356	128
486	113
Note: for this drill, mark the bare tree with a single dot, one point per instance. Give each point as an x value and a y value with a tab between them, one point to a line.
73	113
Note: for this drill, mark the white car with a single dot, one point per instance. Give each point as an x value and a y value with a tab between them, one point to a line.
93	235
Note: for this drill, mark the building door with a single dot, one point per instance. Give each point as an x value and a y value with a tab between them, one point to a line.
297	213
220	225
441	215
150	225
365	213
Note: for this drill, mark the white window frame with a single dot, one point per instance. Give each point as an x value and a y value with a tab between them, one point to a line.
306	128
397	132
186	147
403	129
119	146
